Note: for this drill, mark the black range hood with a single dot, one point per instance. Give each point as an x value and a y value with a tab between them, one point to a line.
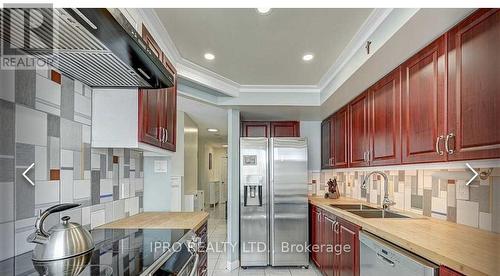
98	47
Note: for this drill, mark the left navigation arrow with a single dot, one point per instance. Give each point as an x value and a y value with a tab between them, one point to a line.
26	171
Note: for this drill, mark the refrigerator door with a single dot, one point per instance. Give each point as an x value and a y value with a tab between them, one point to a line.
288	200
254	198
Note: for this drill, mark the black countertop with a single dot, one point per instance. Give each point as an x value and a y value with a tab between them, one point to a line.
117	252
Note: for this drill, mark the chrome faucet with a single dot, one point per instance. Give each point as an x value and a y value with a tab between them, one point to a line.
386	203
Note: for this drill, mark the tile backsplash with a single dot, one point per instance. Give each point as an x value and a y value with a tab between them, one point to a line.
49	123
437	193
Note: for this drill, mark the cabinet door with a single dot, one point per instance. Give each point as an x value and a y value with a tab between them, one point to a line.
340	137
385	120
328	267
150	104
148	38
255	129
348	262
423	108
326	144
474	87
358	128
315	234
169	109
444	271
285	129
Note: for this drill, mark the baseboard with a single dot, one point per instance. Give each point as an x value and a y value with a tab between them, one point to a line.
232	265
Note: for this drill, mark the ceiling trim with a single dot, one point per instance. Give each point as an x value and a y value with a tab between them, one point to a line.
203	76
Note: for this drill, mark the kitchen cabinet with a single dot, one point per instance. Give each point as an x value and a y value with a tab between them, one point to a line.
423	104
358	131
473	87
385	120
326	143
329	240
348	236
315	230
285	129
157	107
445	271
340	138
202	234
270	129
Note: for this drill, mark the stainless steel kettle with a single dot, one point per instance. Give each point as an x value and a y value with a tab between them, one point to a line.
64	240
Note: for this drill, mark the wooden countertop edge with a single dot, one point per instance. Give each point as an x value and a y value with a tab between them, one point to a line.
195	226
431	255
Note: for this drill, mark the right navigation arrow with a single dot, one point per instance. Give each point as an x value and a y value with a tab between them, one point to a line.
475	174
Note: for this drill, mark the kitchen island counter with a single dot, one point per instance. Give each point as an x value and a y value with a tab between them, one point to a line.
160	220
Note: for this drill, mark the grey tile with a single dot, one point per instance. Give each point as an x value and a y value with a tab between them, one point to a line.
116	192
6	201
54	152
126	172
53	126
379	200
7	122
116	174
67	98
71	135
435	187
141	202
77	167
126	156
74	214
25	196
452	214
481	194
443	185
25	87
427	203
25	154
396	184
110	160
414	185
363	193
103	165
95	187
86	156
416	201
401	175
7	169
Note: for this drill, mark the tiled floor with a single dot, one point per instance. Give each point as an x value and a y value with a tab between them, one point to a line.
217	229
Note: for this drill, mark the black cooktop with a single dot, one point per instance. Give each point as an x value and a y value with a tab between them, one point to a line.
117	252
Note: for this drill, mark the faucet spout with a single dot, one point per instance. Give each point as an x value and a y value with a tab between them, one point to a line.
386	203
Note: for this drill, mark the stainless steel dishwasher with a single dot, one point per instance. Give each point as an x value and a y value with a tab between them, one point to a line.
379	257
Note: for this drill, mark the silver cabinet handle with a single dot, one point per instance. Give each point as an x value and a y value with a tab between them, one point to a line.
446	143
166	135
364	156
438	150
385	260
368	156
337	227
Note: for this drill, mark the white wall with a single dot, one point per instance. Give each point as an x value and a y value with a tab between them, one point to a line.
312	131
157	187
177	158
190	155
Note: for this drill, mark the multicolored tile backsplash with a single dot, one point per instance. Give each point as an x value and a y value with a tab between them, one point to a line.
441	194
48	122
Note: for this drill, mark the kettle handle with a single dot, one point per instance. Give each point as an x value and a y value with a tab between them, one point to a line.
53	209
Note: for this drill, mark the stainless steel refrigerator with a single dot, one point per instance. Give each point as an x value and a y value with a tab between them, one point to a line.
273	202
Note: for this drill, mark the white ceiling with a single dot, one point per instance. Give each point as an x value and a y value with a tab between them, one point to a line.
255	49
205	116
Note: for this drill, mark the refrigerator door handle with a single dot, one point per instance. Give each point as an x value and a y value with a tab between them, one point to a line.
260	195
245	194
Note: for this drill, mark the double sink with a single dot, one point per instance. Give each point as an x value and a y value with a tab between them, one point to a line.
366	211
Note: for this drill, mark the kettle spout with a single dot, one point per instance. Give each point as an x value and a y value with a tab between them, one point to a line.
36	238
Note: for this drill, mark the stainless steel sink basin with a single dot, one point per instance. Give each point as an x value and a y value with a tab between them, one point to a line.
353	207
376	214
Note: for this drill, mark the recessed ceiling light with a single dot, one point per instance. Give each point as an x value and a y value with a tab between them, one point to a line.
264	10
307	57
212	130
209	56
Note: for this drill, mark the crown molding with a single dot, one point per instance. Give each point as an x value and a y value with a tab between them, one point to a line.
279	88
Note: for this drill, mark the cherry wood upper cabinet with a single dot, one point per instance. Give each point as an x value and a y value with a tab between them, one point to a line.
150	102
340	138
326	143
474	87
285	129
358	128
255	129
385	120
169	115
423	104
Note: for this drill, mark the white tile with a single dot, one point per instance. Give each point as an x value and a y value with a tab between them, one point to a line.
24	228
462	190
95	161
78	87
124	188
82	109
7	79
87	91
87	175
452	195
7	240
97	218
86	134
85	215
132	205
41	166
118	209
81	189
46	192
106	191
485	221
108	209
48	96
66	158
468	213
31	126
439	205
66	186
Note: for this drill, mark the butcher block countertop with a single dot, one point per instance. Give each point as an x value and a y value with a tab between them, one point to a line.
465	249
161	220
